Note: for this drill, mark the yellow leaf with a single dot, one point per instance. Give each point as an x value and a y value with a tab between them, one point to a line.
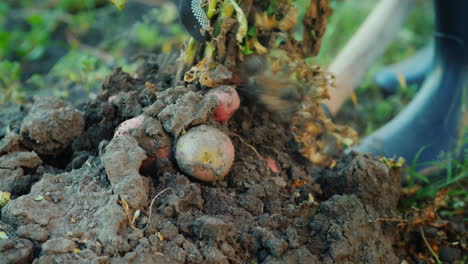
3	235
4	198
73	77
391	163
120	4
160	236
243	23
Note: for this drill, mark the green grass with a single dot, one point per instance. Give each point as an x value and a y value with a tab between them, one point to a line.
453	176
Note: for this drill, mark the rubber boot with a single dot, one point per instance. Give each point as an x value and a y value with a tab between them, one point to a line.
414	70
432	120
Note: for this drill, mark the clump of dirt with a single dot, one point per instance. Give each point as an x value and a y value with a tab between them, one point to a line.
79	195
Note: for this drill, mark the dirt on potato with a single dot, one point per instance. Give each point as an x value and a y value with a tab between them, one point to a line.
80	196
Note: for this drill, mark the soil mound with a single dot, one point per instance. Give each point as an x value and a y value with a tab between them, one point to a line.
80	196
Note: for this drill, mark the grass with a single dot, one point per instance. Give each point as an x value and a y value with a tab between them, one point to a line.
452	174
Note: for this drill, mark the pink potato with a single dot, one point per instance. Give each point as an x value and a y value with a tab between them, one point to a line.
228	102
111	98
125	127
146	142
272	165
205	153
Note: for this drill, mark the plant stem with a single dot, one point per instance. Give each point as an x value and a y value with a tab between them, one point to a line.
191	51
209	53
211	9
227	10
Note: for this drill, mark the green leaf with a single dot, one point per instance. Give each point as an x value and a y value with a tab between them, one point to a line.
36	53
271	8
35	20
252	32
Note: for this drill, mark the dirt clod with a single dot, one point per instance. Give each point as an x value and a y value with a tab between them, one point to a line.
16	160
51	125
189	110
34	232
26	210
122	160
371	180
450	254
342	225
16	251
214	256
94	207
58	245
212	228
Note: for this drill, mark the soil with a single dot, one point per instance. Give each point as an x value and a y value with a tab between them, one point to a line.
80	196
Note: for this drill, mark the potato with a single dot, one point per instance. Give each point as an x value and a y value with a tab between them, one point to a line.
205	153
125	127
154	149
228	102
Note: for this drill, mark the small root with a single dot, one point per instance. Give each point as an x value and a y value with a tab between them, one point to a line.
248	145
388	220
153	200
428	245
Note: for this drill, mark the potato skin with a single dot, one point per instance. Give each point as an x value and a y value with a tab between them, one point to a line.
146	142
205	153
228	102
124	128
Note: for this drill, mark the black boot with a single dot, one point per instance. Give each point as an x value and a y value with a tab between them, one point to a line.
414	69
431	122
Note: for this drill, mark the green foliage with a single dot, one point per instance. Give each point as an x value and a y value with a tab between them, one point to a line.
10	85
148	36
81	22
33	29
160	29
77	5
79	68
30	43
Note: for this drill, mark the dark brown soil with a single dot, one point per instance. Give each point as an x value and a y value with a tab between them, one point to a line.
70	182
